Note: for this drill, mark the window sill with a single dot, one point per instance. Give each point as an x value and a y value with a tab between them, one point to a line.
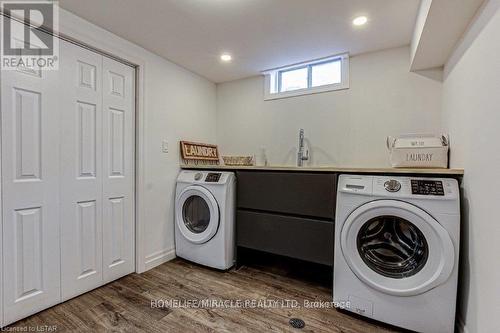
302	92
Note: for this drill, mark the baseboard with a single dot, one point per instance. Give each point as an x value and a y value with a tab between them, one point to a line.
461	328
158	258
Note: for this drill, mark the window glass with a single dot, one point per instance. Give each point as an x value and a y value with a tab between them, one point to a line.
294	79
326	73
315	76
392	247
196	214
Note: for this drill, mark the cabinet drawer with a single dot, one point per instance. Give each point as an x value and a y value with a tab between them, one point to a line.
301	238
306	194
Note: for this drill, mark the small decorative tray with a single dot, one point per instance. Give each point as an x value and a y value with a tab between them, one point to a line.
238	160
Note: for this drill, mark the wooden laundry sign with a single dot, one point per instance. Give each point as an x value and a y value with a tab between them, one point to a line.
199	153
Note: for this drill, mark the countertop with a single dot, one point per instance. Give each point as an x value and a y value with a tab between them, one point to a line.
354	170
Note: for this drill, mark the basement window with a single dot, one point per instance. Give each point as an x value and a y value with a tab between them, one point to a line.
311	77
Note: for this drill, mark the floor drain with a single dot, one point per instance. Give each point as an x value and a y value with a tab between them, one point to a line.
297	323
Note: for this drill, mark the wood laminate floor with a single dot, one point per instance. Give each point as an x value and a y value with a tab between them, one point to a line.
125	305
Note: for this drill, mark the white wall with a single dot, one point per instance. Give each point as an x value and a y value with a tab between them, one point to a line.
471	113
177	105
344	128
180	106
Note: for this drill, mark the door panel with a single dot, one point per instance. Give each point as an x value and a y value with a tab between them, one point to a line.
296	237
199	218
86	72
87	135
299	193
30	190
28	239
117	144
418	253
117	228
28	129
118	169
87	242
81	172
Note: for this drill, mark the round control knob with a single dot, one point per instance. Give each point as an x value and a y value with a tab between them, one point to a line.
392	185
198	176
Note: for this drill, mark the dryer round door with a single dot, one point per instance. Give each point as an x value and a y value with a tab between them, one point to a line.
197	214
397	248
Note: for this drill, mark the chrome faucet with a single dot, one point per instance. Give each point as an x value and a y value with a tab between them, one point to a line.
301	157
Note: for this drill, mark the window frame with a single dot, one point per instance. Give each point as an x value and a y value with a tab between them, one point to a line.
273	78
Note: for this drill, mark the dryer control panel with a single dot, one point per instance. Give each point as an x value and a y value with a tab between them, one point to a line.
213	177
205	177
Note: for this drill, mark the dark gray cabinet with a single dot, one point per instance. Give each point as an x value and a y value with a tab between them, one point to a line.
307	194
287	213
302	238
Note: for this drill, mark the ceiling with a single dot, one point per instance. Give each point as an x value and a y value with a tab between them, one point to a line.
259	34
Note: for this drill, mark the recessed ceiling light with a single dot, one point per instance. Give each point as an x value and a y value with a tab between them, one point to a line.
360	20
226	57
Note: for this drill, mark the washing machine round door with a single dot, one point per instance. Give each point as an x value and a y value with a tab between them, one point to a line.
197	214
397	248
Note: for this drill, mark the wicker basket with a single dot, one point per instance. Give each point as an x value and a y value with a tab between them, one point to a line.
418	151
238	160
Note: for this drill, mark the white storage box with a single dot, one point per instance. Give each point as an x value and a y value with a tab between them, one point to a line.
418	151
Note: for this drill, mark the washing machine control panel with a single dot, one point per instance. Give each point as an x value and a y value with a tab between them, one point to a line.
213	177
402	187
427	187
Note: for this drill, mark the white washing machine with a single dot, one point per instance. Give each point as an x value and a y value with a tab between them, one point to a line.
396	250
204	217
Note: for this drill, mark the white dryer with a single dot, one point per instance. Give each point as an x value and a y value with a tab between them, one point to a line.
396	250
204	217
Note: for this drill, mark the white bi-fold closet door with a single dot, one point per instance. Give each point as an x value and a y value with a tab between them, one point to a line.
97	198
67	179
30	192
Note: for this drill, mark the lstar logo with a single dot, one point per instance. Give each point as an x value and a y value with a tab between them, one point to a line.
25	43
